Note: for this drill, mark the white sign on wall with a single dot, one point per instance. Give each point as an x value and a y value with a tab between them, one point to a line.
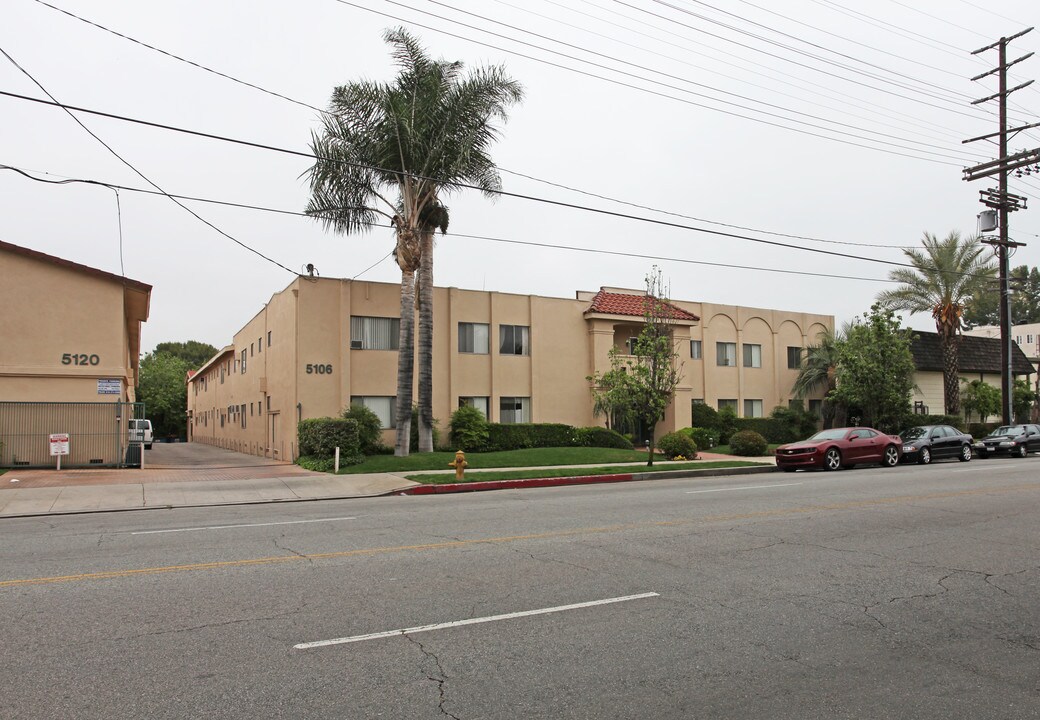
59	444
109	386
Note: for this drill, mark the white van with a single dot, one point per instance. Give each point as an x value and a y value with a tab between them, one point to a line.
141	431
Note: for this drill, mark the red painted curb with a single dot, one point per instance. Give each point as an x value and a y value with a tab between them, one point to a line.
513	484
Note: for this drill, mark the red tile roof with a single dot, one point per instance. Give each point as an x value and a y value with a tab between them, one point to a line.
625	304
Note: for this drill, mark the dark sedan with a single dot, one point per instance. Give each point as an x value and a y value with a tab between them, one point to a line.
925	443
840	447
1015	440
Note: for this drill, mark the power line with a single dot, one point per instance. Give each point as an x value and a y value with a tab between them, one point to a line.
68	110
465	186
549	246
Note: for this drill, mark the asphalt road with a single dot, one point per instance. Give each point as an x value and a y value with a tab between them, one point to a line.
871	593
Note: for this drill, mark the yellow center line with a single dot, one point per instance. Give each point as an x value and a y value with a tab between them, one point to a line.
779	512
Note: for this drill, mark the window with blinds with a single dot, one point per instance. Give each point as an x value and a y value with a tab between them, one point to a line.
374	333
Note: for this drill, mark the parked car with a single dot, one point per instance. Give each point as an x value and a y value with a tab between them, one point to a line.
840	447
1015	440
141	432
924	443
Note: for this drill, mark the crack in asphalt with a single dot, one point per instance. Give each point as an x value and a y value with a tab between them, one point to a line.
534	557
439	680
286	548
207	626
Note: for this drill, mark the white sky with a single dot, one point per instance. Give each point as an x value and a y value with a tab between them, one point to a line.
571	129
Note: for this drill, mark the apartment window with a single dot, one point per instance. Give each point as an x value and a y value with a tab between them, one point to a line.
268	338
816	407
252	347
752	408
630	344
243	362
478	402
726	354
1029	339
695	349
1018	339
260	405
514	410
250	408
382	406
697	401
260	343
243	413
374	333
731	404
473	338
221	375
514	340
752	356
794	358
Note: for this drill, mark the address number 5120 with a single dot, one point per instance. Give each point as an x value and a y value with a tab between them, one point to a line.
79	359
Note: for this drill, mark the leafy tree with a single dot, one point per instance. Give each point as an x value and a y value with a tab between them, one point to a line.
193	352
394	150
1022	399
875	369
818	371
984	306
642	385
943	280
981	398
162	387
370	428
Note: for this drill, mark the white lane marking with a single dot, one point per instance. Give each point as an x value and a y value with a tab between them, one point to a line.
225	527
470	621
746	487
988	467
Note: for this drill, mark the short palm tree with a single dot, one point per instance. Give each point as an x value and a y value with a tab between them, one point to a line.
393	150
944	277
818	371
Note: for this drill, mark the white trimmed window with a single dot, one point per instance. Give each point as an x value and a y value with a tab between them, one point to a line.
382	406
752	408
752	356
514	340
726	354
514	410
695	349
374	333
475	401
729	403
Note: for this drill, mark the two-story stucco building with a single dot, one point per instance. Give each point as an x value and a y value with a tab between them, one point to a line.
322	343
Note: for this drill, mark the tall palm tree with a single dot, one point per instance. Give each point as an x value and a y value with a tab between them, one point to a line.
943	280
393	150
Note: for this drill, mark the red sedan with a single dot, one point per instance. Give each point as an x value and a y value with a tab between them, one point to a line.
840	447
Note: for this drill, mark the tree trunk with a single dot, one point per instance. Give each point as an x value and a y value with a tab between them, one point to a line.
405	365
426	343
650	448
951	372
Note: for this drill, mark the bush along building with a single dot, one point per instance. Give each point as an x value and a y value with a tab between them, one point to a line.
322	344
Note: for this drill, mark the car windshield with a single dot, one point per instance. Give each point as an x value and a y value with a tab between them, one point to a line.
1007	430
914	433
837	434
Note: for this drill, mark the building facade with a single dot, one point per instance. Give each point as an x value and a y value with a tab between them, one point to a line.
322	343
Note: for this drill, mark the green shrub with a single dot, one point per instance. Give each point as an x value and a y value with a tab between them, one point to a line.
413	441
727	424
793	423
319	438
469	429
704	438
748	443
979	430
678	443
704	416
325	465
370	429
954	420
601	437
519	436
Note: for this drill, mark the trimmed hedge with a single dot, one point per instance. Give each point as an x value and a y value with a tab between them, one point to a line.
677	443
979	430
748	443
319	438
370	429
520	436
954	420
704	438
601	437
468	429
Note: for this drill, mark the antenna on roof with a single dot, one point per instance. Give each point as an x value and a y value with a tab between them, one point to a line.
311	270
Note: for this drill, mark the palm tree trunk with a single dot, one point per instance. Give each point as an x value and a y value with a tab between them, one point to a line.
951	372
426	342
405	364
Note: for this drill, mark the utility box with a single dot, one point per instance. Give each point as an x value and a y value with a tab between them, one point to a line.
987	221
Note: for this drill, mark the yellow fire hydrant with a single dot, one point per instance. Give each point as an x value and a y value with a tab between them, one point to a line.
459	463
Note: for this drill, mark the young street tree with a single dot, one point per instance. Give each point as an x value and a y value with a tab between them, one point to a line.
394	150
817	372
943	280
875	370
640	387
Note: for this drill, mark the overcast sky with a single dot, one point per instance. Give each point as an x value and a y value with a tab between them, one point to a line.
679	109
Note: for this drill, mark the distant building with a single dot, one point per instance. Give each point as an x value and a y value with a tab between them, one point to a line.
1027	337
69	333
978	359
323	343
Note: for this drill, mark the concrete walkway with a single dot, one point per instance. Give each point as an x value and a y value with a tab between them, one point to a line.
194	475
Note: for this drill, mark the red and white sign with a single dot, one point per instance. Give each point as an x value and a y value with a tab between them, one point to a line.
60	444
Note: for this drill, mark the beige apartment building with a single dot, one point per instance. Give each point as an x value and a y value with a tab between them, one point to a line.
322	343
70	341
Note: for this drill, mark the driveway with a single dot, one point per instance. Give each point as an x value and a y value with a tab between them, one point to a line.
164	463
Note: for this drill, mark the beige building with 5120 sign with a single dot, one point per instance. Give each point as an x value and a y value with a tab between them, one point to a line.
322	343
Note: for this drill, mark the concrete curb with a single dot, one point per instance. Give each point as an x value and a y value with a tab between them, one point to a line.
481	485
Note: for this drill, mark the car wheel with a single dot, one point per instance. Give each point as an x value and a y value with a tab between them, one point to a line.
965	455
924	456
1021	451
891	457
832	460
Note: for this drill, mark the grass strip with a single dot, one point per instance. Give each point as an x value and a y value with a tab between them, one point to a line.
577	472
510	458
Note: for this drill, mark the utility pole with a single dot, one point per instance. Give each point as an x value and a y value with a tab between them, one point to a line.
1001	200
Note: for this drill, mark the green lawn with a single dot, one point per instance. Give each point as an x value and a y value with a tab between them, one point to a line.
725	449
572	472
509	458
